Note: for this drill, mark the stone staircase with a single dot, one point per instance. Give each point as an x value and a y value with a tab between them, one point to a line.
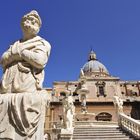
99	131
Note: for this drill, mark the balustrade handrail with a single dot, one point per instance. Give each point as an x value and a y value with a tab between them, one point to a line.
129	118
129	124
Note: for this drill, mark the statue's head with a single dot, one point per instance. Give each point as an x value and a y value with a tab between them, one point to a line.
31	23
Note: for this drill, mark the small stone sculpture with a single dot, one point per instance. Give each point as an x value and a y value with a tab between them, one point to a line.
22	99
83	91
83	103
68	112
82	74
118	103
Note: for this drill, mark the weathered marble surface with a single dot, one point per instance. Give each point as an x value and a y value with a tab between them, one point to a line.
68	119
68	113
24	61
22	99
118	102
22	115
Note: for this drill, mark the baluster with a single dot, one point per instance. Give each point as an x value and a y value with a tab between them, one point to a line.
130	127
138	131
135	129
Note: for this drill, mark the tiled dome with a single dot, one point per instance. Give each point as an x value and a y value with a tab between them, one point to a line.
94	66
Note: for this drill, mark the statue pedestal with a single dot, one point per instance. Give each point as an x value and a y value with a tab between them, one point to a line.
22	116
66	134
85	116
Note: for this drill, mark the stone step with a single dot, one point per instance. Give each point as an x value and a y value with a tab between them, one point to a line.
99	137
95	122
97	132
95	129
96	125
104	139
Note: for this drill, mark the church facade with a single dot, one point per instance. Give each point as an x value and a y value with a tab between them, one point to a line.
99	89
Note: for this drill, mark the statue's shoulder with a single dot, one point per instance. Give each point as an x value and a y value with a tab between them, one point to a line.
15	42
44	42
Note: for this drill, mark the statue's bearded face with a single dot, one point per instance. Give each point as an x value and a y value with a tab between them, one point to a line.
30	25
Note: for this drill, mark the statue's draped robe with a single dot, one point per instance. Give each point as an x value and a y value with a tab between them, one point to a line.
22	102
24	65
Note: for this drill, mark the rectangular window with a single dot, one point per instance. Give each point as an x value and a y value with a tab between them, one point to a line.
101	90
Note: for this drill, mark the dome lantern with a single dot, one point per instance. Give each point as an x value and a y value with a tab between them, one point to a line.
92	55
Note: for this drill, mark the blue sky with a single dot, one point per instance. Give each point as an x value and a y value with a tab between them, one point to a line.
110	27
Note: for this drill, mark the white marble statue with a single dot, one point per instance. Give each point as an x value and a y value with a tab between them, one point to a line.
83	103
24	61
83	91
118	104
45	137
68	112
22	99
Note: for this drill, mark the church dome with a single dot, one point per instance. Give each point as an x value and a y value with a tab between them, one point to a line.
94	67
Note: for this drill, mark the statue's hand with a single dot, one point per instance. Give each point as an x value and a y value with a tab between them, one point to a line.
6	58
15	51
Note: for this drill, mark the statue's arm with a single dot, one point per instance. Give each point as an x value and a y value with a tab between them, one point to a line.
6	58
37	57
11	55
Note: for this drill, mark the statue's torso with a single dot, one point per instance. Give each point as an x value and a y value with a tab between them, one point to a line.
20	75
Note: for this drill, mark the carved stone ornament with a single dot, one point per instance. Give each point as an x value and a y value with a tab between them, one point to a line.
118	102
68	112
22	99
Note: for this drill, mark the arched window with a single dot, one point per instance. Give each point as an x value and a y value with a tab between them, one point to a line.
103	116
